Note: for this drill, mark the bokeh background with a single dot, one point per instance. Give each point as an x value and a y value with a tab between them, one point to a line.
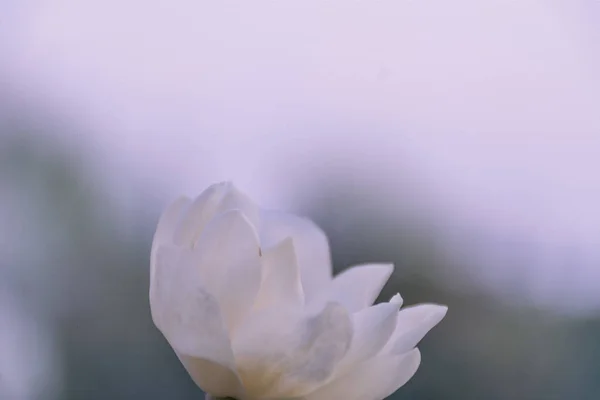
458	139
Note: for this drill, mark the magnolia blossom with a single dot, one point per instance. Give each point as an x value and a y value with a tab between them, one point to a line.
247	300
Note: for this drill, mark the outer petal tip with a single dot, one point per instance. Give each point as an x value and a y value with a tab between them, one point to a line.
357	287
385	268
397	300
384	271
436	313
413	324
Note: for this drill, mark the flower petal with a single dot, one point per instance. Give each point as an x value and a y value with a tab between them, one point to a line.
198	213
186	314
374	379
281	353
165	229
358	287
212	377
310	242
412	325
397	299
373	327
280	278
229	263
235	199
216	199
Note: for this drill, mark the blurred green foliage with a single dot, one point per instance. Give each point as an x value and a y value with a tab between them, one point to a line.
89	283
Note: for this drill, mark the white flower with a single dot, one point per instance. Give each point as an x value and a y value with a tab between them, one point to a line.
247	300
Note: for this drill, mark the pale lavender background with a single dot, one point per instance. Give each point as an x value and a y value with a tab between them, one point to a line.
493	106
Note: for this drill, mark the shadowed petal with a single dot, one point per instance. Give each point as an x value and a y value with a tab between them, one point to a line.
212	377
165	229
310	243
187	315
229	263
283	354
281	284
373	327
374	379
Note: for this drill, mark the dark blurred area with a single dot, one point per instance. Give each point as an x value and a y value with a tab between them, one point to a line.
75	321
